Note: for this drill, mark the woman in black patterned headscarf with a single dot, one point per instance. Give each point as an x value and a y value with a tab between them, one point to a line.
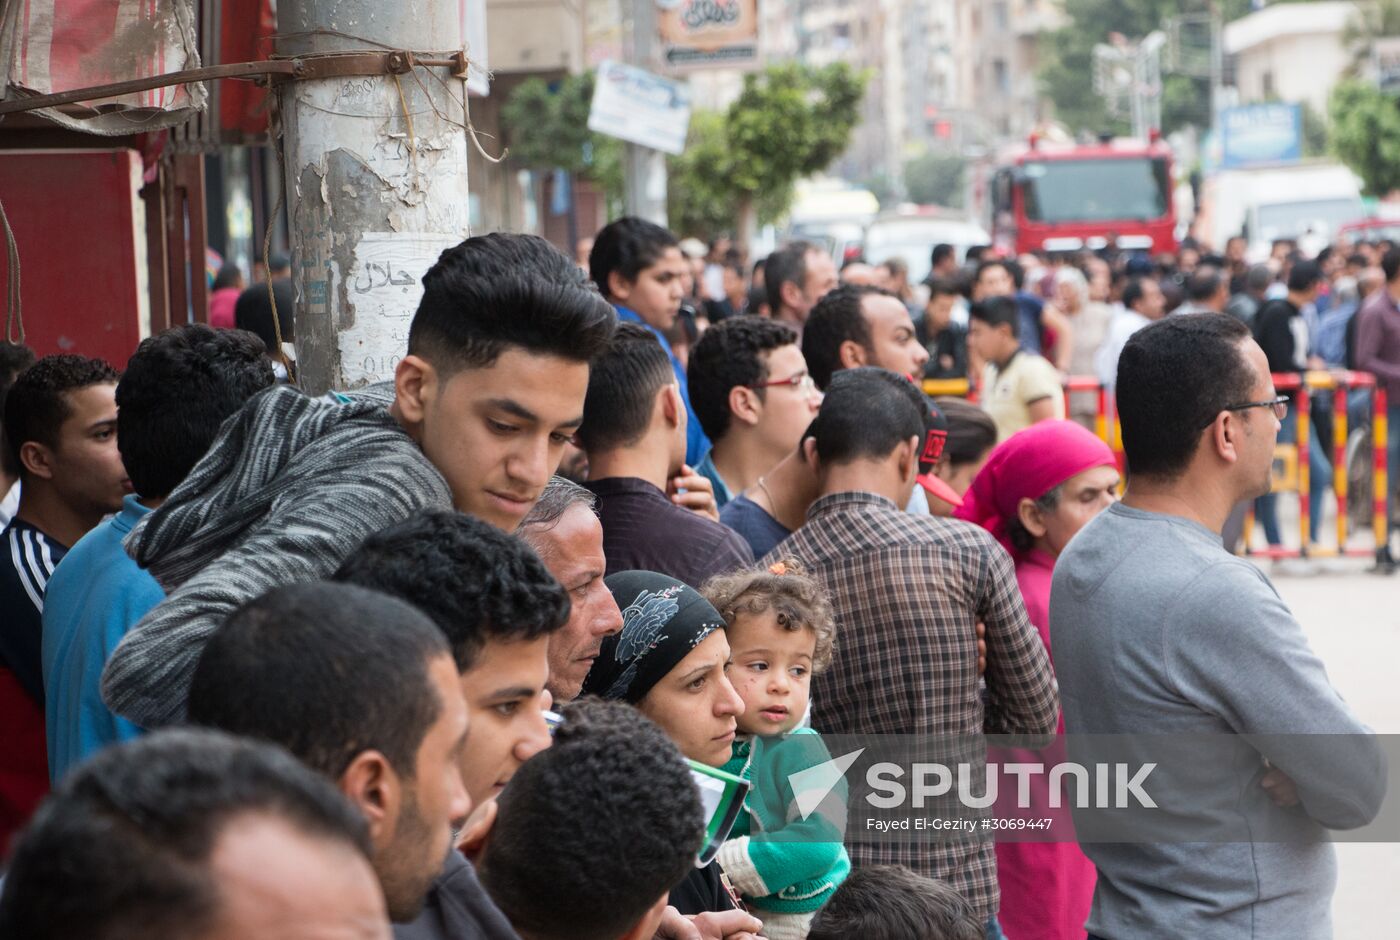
669	660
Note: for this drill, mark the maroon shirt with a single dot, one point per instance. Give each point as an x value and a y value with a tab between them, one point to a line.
1378	342
645	531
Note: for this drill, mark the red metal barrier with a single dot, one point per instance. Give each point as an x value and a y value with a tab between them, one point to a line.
1300	388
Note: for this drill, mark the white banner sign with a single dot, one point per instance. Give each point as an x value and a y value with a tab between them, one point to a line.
634	105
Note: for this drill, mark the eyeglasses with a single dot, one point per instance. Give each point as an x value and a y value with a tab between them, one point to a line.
1279	404
802	381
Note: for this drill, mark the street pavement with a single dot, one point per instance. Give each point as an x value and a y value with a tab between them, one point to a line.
1352	620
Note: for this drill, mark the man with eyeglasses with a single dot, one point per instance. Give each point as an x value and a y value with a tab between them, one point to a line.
1158	630
754	397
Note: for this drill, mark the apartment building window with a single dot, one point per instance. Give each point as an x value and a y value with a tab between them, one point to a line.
1000	17
1001	76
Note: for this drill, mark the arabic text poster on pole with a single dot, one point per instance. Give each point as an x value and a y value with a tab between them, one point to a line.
634	105
382	291
698	34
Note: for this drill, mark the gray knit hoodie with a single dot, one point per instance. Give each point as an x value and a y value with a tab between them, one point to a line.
291	485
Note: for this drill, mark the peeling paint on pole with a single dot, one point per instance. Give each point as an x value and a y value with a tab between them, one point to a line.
376	176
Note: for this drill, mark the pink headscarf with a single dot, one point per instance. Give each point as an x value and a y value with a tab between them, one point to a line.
1027	465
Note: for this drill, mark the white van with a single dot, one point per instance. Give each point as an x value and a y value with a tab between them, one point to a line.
1307	202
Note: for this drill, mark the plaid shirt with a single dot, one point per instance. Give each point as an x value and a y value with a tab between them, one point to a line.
908	592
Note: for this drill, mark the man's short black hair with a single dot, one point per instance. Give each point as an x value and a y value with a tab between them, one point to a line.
37	403
327	671
988	264
1133	292
1390	264
836	318
1204	283
943	287
731	353
477	583
787	265
1304	275
1174	377
867	412
592	832
941	253
995	311
177	389
14	359
502	290
622	389
1258	278
890	902
122	848
971	431
628	246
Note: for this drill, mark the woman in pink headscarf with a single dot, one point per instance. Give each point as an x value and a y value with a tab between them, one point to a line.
1038	488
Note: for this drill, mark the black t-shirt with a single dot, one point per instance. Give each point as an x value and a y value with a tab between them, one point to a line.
947	354
1280	331
644	531
701	891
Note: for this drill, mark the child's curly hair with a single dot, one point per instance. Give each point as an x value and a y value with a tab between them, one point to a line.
784	587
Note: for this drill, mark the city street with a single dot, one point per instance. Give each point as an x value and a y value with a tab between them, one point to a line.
1353	622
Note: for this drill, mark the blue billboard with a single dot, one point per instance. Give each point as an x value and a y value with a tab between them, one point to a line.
1256	134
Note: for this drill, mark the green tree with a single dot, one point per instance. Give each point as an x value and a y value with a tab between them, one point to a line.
1366	134
936	178
546	127
1372	20
1067	60
789	121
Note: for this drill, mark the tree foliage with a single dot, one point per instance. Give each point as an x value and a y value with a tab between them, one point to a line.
1067	61
1366	134
936	178
1372	20
546	127
789	121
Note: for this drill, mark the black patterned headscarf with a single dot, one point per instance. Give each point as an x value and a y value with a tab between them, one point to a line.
662	621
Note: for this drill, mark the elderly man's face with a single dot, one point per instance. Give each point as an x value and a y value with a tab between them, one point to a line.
573	553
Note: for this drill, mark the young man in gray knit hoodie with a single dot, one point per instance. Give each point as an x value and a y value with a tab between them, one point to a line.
490	391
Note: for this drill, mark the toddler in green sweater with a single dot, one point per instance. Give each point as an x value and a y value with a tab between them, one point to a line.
780	631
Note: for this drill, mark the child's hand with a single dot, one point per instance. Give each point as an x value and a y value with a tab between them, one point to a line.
722	925
981	648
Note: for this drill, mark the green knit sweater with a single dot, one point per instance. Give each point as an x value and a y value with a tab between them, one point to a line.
777	860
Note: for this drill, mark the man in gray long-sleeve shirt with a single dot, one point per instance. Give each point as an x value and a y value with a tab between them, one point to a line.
1156	630
1378	352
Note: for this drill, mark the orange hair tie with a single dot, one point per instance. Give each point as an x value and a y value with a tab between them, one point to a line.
778	568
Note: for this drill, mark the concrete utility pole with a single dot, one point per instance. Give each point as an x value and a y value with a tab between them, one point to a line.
376	180
644	169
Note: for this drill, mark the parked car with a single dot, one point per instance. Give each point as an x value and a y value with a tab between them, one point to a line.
911	235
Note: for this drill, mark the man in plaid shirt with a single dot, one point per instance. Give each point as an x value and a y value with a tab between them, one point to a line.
909	592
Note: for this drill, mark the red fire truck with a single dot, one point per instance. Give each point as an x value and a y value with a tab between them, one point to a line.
1063	197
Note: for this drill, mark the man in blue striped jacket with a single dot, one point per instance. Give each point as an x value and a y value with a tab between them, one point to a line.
61	430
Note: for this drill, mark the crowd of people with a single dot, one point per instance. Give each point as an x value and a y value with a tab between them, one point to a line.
439	657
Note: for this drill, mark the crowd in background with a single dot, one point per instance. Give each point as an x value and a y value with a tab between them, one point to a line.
436	651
